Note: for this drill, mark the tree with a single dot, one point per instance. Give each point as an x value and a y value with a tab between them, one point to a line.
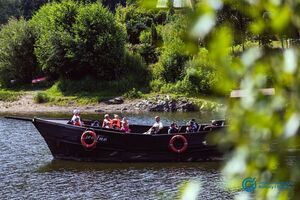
77	40
171	64
137	19
17	59
18	8
9	8
237	17
28	7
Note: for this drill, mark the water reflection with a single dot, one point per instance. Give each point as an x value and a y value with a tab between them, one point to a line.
133	180
63	165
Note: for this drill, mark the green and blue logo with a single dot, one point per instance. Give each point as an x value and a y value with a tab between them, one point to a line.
249	184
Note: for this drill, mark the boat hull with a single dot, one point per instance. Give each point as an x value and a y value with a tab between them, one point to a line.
64	142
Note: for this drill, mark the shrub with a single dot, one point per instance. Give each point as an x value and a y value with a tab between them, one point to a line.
201	74
135	20
156	85
136	70
171	64
133	94
140	25
17	59
9	96
41	97
147	48
146	36
182	87
77	40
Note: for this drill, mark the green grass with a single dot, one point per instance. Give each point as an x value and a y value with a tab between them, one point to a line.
54	95
8	96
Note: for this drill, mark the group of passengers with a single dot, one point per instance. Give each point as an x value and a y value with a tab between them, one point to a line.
123	125
116	123
191	127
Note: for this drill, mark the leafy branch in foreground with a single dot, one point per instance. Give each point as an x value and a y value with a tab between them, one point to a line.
262	129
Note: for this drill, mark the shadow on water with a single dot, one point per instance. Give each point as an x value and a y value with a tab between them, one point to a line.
63	165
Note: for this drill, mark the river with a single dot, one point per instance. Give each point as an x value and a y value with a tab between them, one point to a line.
28	171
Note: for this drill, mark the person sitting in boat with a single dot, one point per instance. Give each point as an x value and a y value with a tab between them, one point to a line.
106	122
173	128
95	124
189	128
125	125
76	118
77	122
116	122
157	126
192	126
195	125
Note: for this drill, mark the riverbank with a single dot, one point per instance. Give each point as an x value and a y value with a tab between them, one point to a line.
26	104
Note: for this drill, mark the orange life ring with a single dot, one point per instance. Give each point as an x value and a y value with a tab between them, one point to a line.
83	138
178	137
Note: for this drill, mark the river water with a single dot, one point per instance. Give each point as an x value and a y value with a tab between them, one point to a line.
28	171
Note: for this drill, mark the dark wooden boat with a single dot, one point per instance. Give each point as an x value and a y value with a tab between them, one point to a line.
87	143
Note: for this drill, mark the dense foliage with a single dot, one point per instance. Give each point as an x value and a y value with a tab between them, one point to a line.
17	60
201	74
141	26
262	130
76	40
17	8
9	8
170	66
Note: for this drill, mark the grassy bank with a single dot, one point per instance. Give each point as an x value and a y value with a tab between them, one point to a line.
8	96
55	95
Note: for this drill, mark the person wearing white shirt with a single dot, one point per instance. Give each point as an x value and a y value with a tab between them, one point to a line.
157	126
76	118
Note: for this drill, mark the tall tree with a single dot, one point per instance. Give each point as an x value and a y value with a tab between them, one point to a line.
77	40
17	59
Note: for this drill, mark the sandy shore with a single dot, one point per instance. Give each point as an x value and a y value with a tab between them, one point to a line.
26	105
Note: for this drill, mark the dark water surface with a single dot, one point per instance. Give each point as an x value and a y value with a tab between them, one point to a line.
28	171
